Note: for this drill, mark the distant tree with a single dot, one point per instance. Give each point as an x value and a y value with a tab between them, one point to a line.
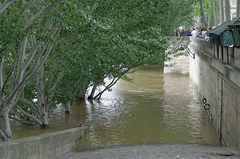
238	8
221	9
227	15
203	14
213	14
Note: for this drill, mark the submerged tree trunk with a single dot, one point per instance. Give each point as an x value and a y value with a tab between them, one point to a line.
67	108
113	82
92	92
202	14
42	105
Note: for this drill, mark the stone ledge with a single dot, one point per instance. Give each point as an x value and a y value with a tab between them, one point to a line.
46	146
229	71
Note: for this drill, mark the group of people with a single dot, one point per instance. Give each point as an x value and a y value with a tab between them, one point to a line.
194	32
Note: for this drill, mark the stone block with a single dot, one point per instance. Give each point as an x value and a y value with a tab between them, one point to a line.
237	53
219	66
230	54
219	54
45	146
4	150
235	63
32	149
215	50
234	75
225	54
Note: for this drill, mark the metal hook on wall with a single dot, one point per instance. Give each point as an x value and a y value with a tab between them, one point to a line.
206	105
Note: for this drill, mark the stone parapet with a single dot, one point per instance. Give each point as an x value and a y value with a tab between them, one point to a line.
46	146
216	74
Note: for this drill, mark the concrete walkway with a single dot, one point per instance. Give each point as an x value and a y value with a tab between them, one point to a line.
162	151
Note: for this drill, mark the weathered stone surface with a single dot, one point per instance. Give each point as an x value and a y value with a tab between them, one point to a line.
45	146
217	78
161	151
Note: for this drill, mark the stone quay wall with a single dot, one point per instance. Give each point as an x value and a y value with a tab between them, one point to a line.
46	146
215	72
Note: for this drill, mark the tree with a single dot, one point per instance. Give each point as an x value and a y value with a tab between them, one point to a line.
213	14
207	8
238	8
227	15
20	56
221	8
49	76
203	15
88	41
181	13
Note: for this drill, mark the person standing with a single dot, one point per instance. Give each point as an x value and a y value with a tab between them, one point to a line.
194	33
188	33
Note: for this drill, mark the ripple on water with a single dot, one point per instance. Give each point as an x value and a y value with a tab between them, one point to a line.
153	108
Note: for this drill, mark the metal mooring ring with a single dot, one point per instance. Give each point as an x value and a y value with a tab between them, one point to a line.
204	100
206	106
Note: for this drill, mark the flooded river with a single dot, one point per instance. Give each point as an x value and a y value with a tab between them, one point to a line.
153	108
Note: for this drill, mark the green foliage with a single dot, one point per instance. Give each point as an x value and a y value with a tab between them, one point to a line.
206	6
92	39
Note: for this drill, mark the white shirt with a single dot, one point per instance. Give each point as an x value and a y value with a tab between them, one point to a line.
194	33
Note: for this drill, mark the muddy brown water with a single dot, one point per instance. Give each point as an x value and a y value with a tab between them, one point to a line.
153	108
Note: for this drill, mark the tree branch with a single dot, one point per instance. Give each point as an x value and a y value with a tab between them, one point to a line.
1	70
21	60
31	73
5	82
30	57
5	5
36	120
36	16
27	102
22	121
98	96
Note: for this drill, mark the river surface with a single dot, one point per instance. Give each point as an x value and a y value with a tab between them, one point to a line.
153	108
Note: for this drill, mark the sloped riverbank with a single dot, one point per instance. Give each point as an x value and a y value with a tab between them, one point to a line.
161	151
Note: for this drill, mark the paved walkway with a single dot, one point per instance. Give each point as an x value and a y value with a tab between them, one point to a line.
162	151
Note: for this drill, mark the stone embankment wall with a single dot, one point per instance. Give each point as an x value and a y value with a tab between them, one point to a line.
47	146
215	72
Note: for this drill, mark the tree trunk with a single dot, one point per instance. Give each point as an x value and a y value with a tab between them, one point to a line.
5	130
217	12
67	107
202	14
227	15
42	105
238	8
213	15
221	11
92	92
197	21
